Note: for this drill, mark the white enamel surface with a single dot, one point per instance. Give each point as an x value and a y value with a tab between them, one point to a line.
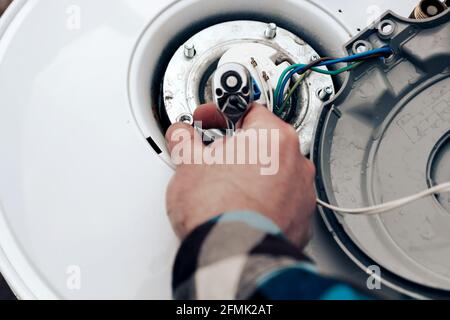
79	185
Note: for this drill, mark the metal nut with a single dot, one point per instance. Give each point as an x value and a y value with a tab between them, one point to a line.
315	57
189	50
325	93
271	31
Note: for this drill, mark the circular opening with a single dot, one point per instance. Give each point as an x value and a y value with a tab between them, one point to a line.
219	92
386	28
439	169
181	20
245	90
432	7
182	76
361	46
231	81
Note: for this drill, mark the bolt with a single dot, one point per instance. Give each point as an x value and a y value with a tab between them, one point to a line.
315	57
325	93
189	50
271	31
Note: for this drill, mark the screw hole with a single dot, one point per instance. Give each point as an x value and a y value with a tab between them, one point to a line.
386	28
361	46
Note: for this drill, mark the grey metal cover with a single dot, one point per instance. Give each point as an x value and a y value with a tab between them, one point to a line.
386	136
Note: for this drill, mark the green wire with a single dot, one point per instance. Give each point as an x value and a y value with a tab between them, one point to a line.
280	80
291	92
339	71
299	81
316	69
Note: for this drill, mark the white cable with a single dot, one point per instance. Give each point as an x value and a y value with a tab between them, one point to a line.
271	103
442	188
264	88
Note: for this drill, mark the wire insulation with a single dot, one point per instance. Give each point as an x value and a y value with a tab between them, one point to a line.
264	87
323	71
442	188
290	71
292	90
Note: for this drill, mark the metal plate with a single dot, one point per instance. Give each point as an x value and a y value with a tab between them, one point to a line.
383	138
186	78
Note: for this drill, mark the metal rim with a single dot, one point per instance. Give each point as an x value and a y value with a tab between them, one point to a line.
148	63
187	74
348	246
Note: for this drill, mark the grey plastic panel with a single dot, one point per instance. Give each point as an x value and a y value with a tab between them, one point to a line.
385	136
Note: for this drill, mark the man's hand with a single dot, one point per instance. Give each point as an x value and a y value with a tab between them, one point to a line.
198	193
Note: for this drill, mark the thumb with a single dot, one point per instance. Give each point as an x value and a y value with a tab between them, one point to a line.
183	141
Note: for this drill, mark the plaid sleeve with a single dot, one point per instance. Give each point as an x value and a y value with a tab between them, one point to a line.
243	255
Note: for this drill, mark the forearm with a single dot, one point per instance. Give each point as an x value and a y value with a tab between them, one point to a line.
245	256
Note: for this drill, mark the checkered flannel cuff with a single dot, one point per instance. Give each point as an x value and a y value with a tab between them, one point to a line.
227	257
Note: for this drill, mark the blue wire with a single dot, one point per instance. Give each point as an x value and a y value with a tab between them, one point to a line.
351	58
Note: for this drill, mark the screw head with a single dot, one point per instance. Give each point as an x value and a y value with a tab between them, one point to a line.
271	31
189	50
186	118
315	57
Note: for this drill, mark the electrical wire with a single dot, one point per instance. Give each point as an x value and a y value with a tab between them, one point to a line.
264	88
271	103
339	71
358	59
301	69
292	90
268	89
289	72
282	81
442	188
323	71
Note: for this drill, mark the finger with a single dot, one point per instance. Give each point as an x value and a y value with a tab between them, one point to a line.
259	117
210	117
182	134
